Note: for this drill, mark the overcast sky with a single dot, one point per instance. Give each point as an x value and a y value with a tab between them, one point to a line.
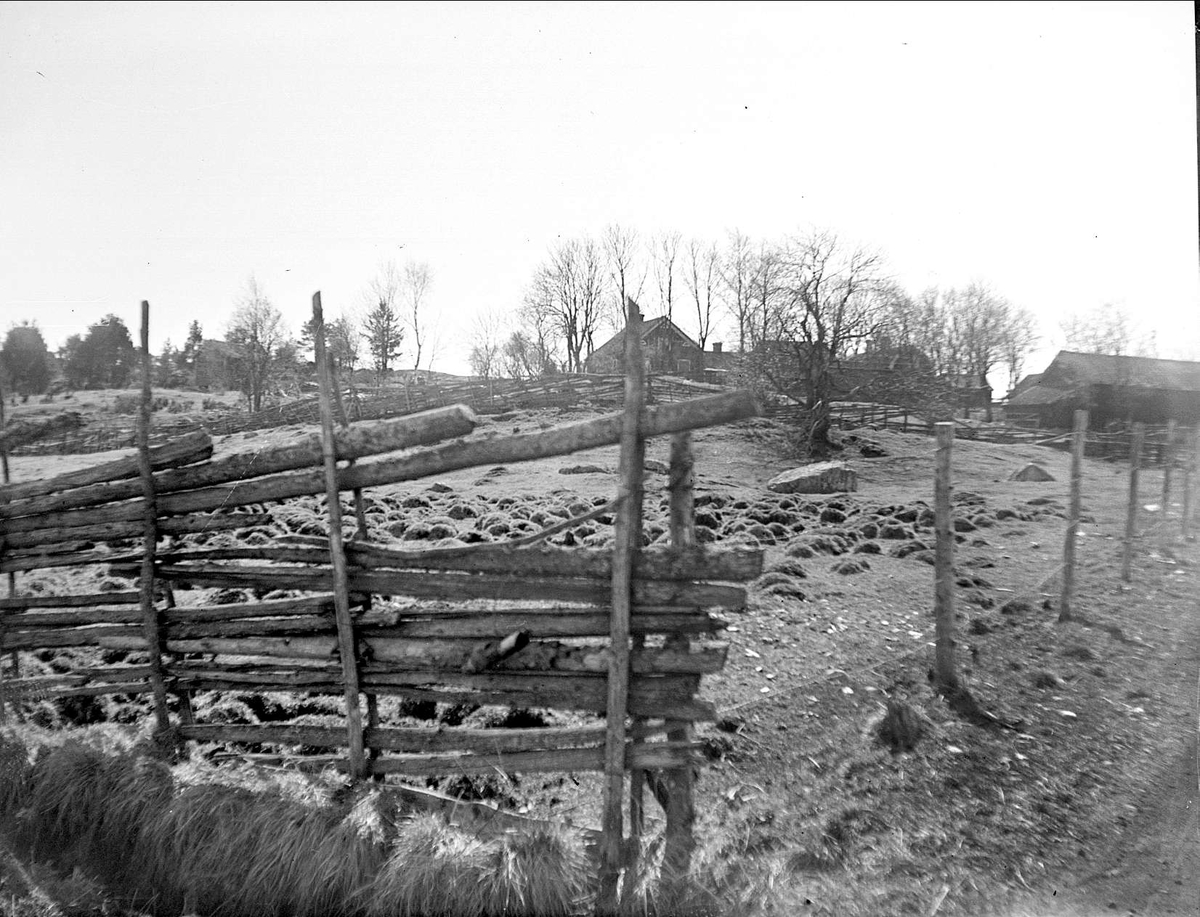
168	151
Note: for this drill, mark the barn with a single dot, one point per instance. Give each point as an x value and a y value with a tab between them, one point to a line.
1113	389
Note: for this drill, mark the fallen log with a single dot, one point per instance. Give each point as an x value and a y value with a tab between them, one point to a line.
357	441
192	447
588	434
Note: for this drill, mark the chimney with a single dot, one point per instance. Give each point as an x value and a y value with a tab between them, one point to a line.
717	348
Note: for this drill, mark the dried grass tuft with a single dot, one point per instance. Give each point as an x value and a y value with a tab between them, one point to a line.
540	872
434	870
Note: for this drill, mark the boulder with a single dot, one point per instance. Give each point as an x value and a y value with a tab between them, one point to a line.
818	478
1032	472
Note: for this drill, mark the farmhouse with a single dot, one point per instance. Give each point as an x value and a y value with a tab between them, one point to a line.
667	349
1113	389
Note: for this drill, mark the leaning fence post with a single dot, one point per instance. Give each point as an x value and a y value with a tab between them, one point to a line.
150	538
943	566
337	552
627	544
680	784
1078	440
1135	460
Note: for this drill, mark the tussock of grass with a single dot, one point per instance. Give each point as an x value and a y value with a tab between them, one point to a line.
195	840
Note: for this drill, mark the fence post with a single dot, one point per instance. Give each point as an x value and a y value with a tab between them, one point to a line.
12	577
679	794
1135	460
1078	440
1168	458
943	567
150	538
628	540
337	551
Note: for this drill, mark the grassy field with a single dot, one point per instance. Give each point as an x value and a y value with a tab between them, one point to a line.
802	808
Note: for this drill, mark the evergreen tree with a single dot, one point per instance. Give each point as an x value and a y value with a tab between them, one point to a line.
25	360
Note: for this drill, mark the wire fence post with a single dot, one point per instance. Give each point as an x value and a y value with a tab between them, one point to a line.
628	541
943	567
1135	460
1078	442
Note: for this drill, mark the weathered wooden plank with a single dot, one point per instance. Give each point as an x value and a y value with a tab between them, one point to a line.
430	656
452	586
76	636
696	563
588	434
70	601
411	741
183	450
660	697
52	540
357	441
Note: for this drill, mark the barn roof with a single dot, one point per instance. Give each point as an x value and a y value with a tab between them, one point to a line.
1108	369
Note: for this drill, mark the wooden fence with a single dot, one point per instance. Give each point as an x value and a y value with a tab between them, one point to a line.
623	633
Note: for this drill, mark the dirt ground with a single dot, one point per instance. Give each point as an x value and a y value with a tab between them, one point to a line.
1081	800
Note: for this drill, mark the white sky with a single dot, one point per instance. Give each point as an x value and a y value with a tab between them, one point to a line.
167	151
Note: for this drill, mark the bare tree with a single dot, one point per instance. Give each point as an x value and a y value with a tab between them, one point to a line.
664	253
833	298
620	254
980	321
701	272
416	282
1105	329
766	286
265	348
570	285
486	345
737	283
1018	338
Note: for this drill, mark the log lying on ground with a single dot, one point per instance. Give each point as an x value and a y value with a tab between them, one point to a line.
22	432
588	434
192	447
357	441
670	564
52	540
450	586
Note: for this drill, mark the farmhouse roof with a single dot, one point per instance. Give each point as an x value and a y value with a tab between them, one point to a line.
1108	369
615	345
